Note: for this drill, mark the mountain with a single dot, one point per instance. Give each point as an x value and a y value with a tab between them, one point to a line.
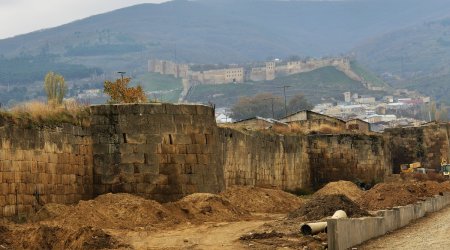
417	58
227	31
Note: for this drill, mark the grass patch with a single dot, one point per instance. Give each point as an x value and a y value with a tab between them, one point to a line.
162	87
35	113
367	75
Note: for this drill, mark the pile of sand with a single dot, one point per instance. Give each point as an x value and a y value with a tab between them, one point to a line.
201	207
261	200
388	195
118	211
320	207
347	188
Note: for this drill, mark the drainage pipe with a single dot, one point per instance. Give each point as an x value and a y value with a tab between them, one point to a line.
317	227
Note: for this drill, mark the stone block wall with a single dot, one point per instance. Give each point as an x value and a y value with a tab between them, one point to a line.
427	144
159	151
296	161
348	157
264	160
43	165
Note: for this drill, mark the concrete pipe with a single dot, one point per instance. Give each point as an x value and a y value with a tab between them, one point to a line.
313	228
339	214
317	227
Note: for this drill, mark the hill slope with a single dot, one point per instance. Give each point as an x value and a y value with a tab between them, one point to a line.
324	84
417	58
228	31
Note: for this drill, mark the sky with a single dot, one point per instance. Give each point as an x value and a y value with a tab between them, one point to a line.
23	16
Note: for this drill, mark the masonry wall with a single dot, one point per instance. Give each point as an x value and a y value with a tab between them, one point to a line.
264	160
43	165
159	151
294	162
427	144
348	157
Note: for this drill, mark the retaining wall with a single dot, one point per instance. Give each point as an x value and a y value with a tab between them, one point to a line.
43	165
346	233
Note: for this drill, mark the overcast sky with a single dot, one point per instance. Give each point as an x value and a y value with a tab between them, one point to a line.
23	16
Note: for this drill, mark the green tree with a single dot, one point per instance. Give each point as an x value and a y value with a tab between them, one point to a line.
55	87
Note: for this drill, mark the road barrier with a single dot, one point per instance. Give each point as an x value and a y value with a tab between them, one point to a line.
346	233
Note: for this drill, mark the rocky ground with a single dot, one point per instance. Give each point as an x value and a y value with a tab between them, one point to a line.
239	218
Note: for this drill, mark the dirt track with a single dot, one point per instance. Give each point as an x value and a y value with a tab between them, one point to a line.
223	235
431	232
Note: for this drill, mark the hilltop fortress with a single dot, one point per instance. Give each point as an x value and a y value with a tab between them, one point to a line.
235	74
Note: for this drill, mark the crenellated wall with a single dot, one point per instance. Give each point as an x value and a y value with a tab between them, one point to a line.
43	165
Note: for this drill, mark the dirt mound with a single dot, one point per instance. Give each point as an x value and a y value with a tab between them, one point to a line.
201	207
323	206
346	188
55	237
261	200
119	211
49	211
388	195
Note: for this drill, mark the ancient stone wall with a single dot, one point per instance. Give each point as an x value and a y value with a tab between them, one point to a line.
43	165
159	151
348	157
295	162
427	144
264	160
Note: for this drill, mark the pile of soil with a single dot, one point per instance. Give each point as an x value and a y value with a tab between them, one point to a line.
201	207
50	211
320	207
261	200
388	195
347	188
111	211
56	237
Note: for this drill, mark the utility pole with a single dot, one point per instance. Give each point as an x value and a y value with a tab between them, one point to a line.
285	102
273	113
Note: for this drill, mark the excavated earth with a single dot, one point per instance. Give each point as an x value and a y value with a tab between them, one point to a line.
239	218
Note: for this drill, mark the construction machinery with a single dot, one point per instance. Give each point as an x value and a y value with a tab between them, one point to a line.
411	168
445	168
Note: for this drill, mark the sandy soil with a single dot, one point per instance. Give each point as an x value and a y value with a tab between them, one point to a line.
222	235
431	232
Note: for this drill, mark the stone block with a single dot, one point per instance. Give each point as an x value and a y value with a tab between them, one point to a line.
147	168
109	179
191	159
145	188
168	149
132	158
153	108
177	159
181	139
194	149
